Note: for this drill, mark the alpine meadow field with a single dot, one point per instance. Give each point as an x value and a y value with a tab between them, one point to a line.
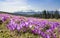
12	26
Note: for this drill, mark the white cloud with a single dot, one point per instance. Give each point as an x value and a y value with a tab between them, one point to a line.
14	5
59	9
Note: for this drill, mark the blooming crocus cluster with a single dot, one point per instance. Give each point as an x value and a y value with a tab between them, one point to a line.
41	27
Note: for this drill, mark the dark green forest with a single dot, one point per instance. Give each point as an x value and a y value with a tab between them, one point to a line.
47	14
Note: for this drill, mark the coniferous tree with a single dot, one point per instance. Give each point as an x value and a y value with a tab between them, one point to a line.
44	14
56	14
48	14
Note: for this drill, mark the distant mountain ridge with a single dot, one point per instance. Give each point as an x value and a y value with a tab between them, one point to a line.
29	13
26	13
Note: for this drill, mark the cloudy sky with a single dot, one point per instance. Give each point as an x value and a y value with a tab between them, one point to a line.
19	5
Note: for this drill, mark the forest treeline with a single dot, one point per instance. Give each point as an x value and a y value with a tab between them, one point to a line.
47	14
44	14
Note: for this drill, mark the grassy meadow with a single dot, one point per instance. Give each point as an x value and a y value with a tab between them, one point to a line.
6	33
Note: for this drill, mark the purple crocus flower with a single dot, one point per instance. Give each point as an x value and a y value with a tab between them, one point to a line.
26	24
43	34
12	25
3	18
35	31
47	36
54	25
19	27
